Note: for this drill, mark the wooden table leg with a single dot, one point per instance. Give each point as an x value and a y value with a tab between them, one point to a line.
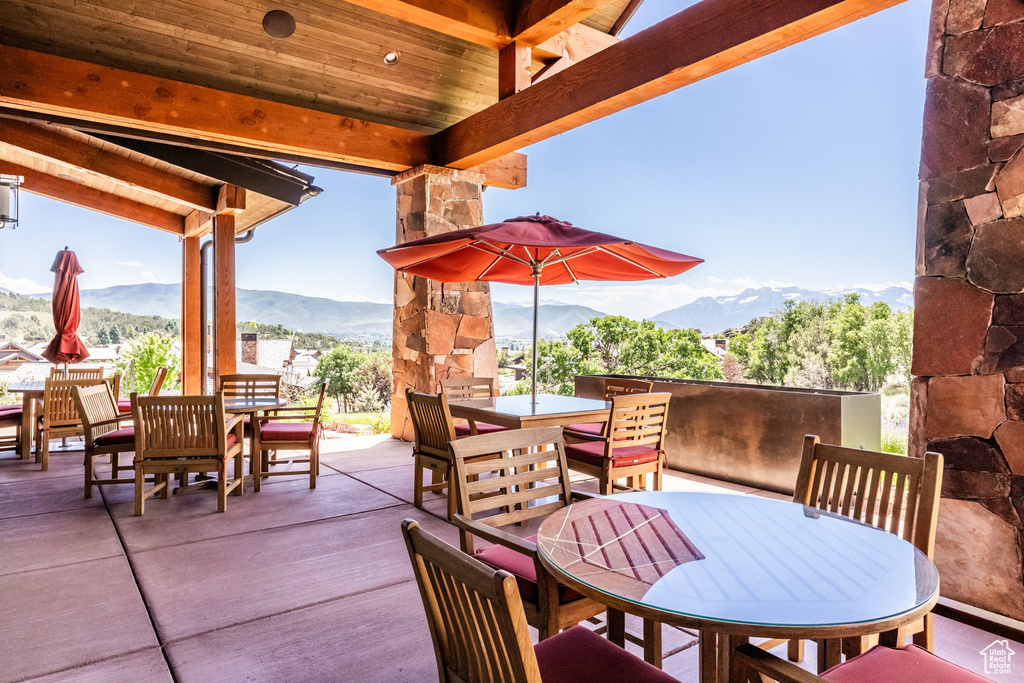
726	644
708	657
617	627
830	653
27	424
652	642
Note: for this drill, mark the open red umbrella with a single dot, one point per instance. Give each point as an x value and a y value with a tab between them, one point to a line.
533	249
66	347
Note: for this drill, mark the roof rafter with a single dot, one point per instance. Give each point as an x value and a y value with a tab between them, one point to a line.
705	39
71	192
82	156
538	20
482	22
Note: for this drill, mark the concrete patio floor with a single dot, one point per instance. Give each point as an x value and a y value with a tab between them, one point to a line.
291	584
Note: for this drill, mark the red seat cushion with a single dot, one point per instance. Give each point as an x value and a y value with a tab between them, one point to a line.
481	428
286	431
592	453
124	405
911	664
521	566
592	428
10	413
578	654
121	436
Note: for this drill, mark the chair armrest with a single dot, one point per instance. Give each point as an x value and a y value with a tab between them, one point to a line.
497	536
113	420
583	495
754	659
233	422
297	416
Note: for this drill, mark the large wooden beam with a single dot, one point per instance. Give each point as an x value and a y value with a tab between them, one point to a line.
538	20
700	41
482	22
191	322
569	47
81	156
48	84
224	329
96	200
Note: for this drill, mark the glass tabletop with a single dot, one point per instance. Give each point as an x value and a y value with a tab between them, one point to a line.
737	559
547	404
241	404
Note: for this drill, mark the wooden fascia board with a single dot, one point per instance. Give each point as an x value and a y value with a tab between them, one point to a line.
539	20
95	200
82	156
44	83
700	41
482	22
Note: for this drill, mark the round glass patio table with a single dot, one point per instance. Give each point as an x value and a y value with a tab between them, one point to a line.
738	565
239	404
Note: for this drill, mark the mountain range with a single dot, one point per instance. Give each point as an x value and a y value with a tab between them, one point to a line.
357	319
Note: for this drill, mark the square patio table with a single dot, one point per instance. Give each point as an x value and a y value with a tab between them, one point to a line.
519	412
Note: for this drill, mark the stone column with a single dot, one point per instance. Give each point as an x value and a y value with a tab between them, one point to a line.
967	398
440	330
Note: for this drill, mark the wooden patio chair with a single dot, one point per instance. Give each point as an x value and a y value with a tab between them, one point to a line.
10	418
58	372
751	664
105	433
288	429
456	388
632	444
613	386
888	491
432	429
182	434
496	492
250	386
58	415
480	633
124	405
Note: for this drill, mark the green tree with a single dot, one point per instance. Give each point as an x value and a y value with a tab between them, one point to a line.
102	337
374	378
768	361
139	360
848	356
113	335
341	367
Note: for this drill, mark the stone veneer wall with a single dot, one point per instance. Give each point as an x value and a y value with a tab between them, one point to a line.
967	398
440	330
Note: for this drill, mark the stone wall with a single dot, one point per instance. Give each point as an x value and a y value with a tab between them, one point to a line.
967	399
440	330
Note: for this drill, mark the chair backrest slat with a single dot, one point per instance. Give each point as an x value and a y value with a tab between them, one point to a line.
158	381
432	422
59	409
893	492
456	388
251	386
620	386
638	420
179	426
475	614
58	372
95	404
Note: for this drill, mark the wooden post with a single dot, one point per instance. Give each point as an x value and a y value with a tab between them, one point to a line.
191	323
223	295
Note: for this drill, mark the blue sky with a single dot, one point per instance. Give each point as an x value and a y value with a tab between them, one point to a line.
798	168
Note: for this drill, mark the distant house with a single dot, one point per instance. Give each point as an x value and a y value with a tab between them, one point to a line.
716	347
277	354
519	370
12	357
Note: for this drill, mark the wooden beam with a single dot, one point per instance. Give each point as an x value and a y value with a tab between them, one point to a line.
482	22
230	200
624	18
700	41
191	322
198	223
48	84
71	192
538	20
81	156
569	47
514	61
507	171
224	296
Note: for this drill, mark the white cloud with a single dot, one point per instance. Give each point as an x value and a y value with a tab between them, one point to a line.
131	264
148	276
23	285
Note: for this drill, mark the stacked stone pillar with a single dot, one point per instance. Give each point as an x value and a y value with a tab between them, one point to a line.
440	330
967	399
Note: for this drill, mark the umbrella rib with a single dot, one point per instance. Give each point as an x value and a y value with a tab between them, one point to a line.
501	253
582	252
571	274
630	261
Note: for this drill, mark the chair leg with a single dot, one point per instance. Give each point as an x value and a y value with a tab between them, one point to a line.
795	650
417	484
222	486
314	464
240	472
89	474
606	483
658	474
140	484
44	451
449	476
164	479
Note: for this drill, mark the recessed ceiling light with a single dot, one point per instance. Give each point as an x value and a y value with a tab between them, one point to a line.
391	57
72	178
278	24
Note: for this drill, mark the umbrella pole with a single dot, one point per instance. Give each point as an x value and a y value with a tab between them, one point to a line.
536	306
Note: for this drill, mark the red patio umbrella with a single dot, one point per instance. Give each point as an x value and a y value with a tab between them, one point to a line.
533	249
66	347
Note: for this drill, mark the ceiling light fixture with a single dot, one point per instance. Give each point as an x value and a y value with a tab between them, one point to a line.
9	200
278	23
391	57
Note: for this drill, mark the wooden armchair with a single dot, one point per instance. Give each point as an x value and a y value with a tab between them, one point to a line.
632	443
124	405
251	386
10	418
58	372
182	434
433	429
750	664
288	429
495	492
105	433
613	386
892	492
480	633
456	388
58	415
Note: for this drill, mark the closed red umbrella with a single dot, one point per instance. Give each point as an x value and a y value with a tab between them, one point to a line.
66	347
534	249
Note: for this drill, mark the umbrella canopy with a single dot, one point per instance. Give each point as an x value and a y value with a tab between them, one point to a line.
66	347
537	250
